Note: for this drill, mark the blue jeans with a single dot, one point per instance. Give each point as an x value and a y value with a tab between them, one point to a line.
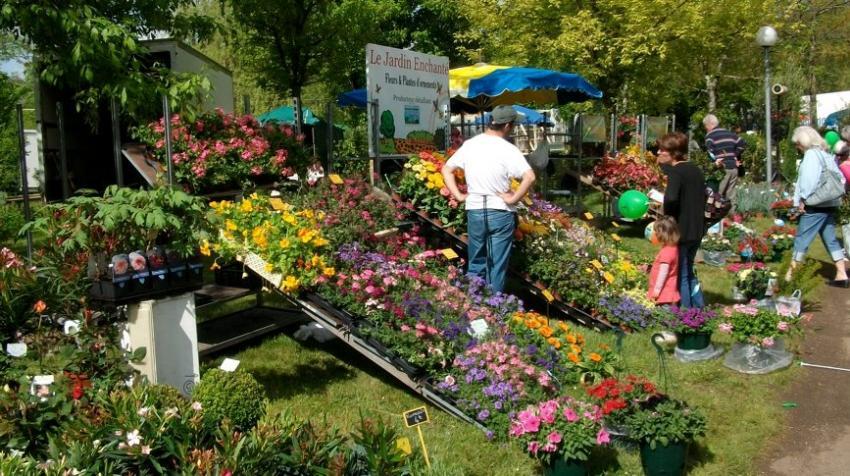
814	223
689	289
491	234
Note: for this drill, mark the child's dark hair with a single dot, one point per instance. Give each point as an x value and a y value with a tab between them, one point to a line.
666	230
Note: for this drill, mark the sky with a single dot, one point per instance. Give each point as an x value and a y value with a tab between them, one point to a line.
12	67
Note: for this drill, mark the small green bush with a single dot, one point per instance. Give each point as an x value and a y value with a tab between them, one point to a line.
236	396
165	396
11	221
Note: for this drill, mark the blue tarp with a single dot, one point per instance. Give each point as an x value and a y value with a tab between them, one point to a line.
286	115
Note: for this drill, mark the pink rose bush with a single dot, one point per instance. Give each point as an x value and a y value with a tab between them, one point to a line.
562	428
220	150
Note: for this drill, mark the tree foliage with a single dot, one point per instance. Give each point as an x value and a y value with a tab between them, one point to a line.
92	46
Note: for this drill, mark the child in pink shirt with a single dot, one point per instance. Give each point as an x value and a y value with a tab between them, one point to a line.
663	278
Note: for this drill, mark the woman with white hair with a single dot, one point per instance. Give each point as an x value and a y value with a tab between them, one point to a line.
817	218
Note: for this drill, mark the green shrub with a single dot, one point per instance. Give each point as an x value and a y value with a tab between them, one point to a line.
236	396
165	396
11	221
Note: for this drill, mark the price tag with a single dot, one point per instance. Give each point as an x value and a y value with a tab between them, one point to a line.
588	216
596	264
615	237
335	179
71	327
449	253
416	417
229	365
17	349
277	203
527	200
608	277
479	328
548	295
616	225
403	444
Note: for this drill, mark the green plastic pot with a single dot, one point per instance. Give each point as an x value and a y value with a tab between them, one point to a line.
565	467
663	460
693	340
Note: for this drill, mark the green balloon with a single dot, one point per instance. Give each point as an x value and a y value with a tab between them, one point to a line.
633	204
832	138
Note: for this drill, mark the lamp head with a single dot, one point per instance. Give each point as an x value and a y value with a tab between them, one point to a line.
767	36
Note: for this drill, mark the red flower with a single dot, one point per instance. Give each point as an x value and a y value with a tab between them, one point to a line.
613	405
39	306
77	393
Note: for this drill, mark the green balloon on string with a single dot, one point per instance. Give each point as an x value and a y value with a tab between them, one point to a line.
832	138
633	204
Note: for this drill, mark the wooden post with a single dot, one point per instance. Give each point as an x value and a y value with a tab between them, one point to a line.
25	188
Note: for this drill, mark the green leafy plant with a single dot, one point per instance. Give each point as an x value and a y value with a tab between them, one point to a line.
11	220
751	325
753	281
236	396
665	422
716	242
805	277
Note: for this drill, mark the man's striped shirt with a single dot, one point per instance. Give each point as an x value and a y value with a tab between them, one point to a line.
725	145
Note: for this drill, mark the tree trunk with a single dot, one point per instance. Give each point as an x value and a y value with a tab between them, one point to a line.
711	87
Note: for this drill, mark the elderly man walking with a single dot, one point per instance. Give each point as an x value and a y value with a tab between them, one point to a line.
725	147
489	162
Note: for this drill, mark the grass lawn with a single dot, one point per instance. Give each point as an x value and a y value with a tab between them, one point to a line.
330	381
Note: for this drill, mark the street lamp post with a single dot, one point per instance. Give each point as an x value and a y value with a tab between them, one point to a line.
767	37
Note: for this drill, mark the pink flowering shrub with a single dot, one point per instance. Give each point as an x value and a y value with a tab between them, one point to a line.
219	150
562	428
752	325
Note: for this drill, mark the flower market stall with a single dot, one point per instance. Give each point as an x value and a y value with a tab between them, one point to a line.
568	264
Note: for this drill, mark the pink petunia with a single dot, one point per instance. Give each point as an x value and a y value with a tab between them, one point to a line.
725	327
530	422
554	437
783	326
767	342
533	447
603	438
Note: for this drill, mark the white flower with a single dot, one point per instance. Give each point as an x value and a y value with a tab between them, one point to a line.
95	443
133	438
143	412
118	432
146	450
171	412
197	406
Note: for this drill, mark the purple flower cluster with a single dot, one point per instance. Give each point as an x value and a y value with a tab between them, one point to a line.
624	310
693	318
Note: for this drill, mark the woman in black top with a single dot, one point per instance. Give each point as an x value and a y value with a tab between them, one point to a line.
684	200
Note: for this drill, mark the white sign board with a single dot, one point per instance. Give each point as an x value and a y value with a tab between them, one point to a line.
411	91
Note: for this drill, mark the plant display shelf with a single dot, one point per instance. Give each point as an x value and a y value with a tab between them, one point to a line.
611	194
530	288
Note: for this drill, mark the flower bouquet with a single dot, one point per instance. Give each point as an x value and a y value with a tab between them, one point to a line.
758	332
782	209
628	170
422	185
561	433
715	249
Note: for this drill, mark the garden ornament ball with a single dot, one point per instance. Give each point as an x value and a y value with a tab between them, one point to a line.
832	138
633	204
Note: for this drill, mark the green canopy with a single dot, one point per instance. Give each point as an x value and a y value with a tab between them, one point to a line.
286	115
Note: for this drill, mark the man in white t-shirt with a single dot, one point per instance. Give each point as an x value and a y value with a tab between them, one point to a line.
489	162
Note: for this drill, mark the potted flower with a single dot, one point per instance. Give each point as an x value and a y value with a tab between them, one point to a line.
692	326
779	239
752	248
664	429
617	398
560	433
758	332
752	282
781	208
715	249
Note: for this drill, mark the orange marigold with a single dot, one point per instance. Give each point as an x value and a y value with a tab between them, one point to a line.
595	357
573	358
546	331
554	342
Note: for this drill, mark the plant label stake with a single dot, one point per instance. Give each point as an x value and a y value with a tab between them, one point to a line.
229	365
417	417
804	364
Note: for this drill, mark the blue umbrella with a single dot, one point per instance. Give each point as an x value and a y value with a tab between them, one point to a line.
835	118
528	86
286	115
356	98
